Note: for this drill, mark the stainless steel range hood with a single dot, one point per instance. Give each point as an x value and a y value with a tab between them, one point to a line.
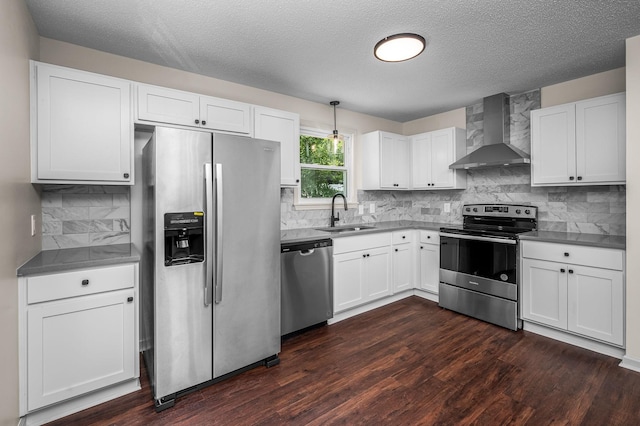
496	150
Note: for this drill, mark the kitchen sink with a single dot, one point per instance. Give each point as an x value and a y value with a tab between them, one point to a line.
346	228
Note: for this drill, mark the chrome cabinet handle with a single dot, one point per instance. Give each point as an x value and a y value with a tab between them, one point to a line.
208	194
219	233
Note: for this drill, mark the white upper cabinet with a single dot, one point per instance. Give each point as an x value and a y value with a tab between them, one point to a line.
581	143
81	127
385	161
284	127
162	105
168	106
433	152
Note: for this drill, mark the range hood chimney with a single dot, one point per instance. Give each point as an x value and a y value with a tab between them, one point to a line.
496	149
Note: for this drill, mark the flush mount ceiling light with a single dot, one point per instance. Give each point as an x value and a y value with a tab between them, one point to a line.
399	47
335	135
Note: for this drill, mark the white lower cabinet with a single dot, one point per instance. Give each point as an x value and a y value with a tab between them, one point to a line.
575	288
361	270
403	260
429	261
78	333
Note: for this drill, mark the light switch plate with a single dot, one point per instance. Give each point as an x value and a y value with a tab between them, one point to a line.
33	225
447	207
360	208
372	208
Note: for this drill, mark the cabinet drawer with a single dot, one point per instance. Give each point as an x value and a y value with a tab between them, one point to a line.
430	237
403	237
70	284
364	242
577	255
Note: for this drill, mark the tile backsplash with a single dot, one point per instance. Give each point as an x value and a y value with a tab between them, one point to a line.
90	215
587	209
85	215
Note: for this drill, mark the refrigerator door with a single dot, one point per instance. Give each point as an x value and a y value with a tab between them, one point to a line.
247	299
183	321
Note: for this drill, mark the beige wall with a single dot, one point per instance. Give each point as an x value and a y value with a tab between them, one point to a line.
454	118
18	198
604	83
633	198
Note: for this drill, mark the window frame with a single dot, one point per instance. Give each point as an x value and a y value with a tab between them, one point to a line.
322	203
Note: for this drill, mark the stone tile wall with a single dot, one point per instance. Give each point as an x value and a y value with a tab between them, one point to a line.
84	215
588	209
88	215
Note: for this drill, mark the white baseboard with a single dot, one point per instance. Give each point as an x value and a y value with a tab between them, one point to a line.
369	306
426	295
630	363
575	340
57	411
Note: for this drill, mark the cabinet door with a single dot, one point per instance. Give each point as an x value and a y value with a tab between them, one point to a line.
596	303
283	127
348	288
78	345
544	292
387	161
421	161
601	139
225	115
84	126
403	267
163	105
401	163
377	273
429	267
442	146
553	152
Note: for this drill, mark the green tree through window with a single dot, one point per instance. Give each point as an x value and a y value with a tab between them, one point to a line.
322	166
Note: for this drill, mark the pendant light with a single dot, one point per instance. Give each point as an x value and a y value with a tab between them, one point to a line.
399	47
335	135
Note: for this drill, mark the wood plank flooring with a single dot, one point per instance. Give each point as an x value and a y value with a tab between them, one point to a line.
408	363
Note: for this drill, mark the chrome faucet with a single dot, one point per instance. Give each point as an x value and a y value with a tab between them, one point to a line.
336	217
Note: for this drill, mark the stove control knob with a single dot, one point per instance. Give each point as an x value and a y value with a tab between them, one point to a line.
518	211
475	209
527	211
468	209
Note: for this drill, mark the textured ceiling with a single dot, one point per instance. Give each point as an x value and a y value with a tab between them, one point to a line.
323	50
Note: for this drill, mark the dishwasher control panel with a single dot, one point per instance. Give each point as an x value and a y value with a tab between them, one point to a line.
305	245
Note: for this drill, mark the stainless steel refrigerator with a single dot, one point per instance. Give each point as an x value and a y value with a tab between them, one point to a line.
211	269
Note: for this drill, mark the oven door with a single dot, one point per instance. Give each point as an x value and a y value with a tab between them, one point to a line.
480	263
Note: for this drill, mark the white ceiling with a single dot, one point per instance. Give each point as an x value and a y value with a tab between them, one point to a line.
322	50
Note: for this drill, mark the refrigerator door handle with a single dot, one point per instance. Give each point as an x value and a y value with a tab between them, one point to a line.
219	236
208	193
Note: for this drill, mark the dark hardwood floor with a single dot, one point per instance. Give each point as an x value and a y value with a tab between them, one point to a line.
408	363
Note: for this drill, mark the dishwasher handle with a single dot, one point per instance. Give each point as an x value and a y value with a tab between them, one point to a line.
308	252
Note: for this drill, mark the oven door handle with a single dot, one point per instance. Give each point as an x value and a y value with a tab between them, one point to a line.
477	238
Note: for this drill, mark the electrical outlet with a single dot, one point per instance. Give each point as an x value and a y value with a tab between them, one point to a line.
372	208
447	207
33	225
360	209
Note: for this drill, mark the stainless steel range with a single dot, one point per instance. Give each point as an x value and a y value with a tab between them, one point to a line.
479	262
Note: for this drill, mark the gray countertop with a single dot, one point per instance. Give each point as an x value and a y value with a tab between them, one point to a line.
48	261
594	240
308	234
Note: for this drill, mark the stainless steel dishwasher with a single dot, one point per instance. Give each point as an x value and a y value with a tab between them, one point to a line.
307	285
